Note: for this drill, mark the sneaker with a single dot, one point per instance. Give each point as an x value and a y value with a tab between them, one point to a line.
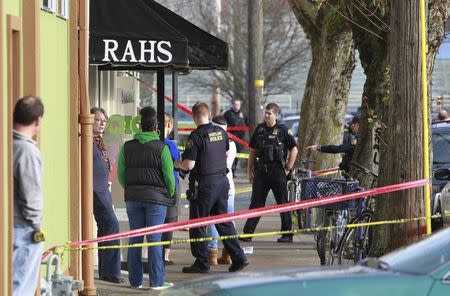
168	262
136	287
237	266
113	279
165	285
285	239
194	269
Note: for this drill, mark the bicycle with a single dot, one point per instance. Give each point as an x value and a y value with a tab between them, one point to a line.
357	241
295	177
329	238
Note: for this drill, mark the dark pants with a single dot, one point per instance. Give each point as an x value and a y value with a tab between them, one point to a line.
167	236
171	216
212	200
109	259
275	179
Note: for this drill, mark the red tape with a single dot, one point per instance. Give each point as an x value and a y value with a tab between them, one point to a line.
321	172
189	112
229	128
242	215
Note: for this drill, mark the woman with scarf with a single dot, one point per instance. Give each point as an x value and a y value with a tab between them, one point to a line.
108	259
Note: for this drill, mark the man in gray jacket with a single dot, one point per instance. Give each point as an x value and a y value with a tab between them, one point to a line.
27	166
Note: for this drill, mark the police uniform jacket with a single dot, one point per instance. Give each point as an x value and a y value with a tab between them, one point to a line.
234	118
207	146
272	144
347	147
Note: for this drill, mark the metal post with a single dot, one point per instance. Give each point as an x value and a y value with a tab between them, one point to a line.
175	104
426	152
86	121
160	101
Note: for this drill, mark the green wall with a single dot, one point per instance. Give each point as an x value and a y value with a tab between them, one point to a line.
55	92
54	136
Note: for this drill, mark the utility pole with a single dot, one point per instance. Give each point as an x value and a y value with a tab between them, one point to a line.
215	98
255	61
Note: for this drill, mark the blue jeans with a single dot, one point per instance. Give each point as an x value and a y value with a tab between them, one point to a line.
143	214
27	258
211	229
108	259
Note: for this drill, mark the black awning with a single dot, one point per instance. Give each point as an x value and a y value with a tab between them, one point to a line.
205	51
139	34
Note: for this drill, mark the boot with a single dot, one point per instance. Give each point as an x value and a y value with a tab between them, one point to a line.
225	258
213	253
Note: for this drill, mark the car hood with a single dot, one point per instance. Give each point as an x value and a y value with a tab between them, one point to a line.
352	280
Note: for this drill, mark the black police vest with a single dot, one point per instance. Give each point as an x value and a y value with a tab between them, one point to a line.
212	159
143	176
270	145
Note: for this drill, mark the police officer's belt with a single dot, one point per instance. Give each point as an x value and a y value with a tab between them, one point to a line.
268	165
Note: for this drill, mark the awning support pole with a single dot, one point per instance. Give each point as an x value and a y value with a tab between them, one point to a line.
86	121
160	101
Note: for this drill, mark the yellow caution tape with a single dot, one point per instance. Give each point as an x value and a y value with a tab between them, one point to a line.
242	155
243	190
251	235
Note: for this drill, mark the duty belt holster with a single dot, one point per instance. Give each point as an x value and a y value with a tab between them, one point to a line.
192	191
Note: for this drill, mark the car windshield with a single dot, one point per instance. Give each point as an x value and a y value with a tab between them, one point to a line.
420	258
441	147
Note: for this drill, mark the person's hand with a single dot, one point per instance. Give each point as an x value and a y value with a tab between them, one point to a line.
177	164
313	147
286	171
250	177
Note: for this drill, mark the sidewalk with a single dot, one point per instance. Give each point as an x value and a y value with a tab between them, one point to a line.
267	253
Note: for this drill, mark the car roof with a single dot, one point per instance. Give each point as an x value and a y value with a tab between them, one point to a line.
407	259
440	126
290	117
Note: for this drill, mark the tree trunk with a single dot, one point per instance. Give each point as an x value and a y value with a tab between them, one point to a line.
373	53
402	157
328	83
437	17
255	60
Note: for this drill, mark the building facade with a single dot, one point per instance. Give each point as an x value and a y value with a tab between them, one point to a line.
36	58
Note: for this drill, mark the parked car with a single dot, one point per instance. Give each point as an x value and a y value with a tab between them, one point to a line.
443	197
294	129
441	160
421	269
289	121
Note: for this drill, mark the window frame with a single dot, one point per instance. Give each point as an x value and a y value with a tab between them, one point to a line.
50	7
63	9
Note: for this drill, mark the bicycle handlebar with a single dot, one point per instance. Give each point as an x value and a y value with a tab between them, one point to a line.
364	170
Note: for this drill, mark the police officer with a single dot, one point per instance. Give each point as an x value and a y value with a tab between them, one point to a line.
235	117
267	167
347	147
205	155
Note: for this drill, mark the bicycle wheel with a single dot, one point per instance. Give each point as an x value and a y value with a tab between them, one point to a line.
356	242
294	195
292	198
326	240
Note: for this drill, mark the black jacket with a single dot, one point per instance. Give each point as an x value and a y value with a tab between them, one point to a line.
144	178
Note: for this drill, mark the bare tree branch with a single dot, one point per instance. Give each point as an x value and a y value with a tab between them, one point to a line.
306	14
